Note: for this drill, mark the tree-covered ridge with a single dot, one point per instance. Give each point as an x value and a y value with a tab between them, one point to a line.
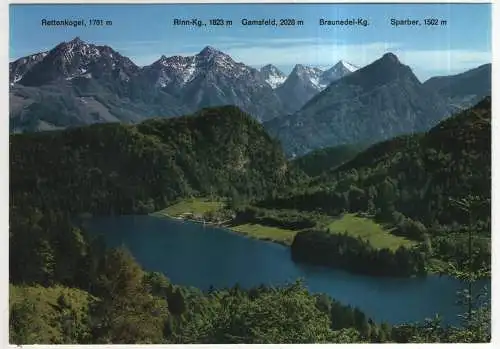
415	175
49	315
356	255
321	160
123	169
120	168
409	184
123	304
127	305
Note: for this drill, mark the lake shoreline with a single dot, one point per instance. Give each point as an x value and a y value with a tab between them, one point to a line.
242	233
193	257
222	225
228	227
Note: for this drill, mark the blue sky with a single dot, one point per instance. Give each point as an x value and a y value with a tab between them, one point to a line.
144	32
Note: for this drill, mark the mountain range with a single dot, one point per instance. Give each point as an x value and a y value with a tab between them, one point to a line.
305	82
78	83
379	101
464	89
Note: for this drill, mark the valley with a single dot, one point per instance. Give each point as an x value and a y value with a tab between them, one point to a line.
367	210
198	199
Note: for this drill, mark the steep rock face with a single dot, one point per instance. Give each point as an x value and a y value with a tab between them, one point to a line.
301	85
213	78
78	83
272	75
305	82
21	66
465	89
338	71
377	102
76	58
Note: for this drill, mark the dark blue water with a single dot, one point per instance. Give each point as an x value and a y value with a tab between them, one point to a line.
193	255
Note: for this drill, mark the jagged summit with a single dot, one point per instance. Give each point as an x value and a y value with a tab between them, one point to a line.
268	67
77	59
338	71
178	84
272	75
77	40
348	66
381	100
271	69
300	67
210	51
304	70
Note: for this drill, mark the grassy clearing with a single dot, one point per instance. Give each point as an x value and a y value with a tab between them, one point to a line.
262	232
193	205
367	229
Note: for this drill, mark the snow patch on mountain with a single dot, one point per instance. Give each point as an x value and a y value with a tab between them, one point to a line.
21	66
208	63
275	81
351	67
272	75
311	75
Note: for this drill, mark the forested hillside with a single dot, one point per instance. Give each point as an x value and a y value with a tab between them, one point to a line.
414	174
116	168
139	307
124	169
321	160
68	288
411	183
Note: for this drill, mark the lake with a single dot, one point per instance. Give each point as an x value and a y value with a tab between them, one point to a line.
191	254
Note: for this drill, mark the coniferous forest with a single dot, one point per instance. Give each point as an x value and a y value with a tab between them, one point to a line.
431	190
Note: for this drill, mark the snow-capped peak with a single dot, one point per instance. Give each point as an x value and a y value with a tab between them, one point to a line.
73	59
221	60
351	67
210	51
179	71
306	70
77	41
272	75
269	68
338	71
78	47
311	74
